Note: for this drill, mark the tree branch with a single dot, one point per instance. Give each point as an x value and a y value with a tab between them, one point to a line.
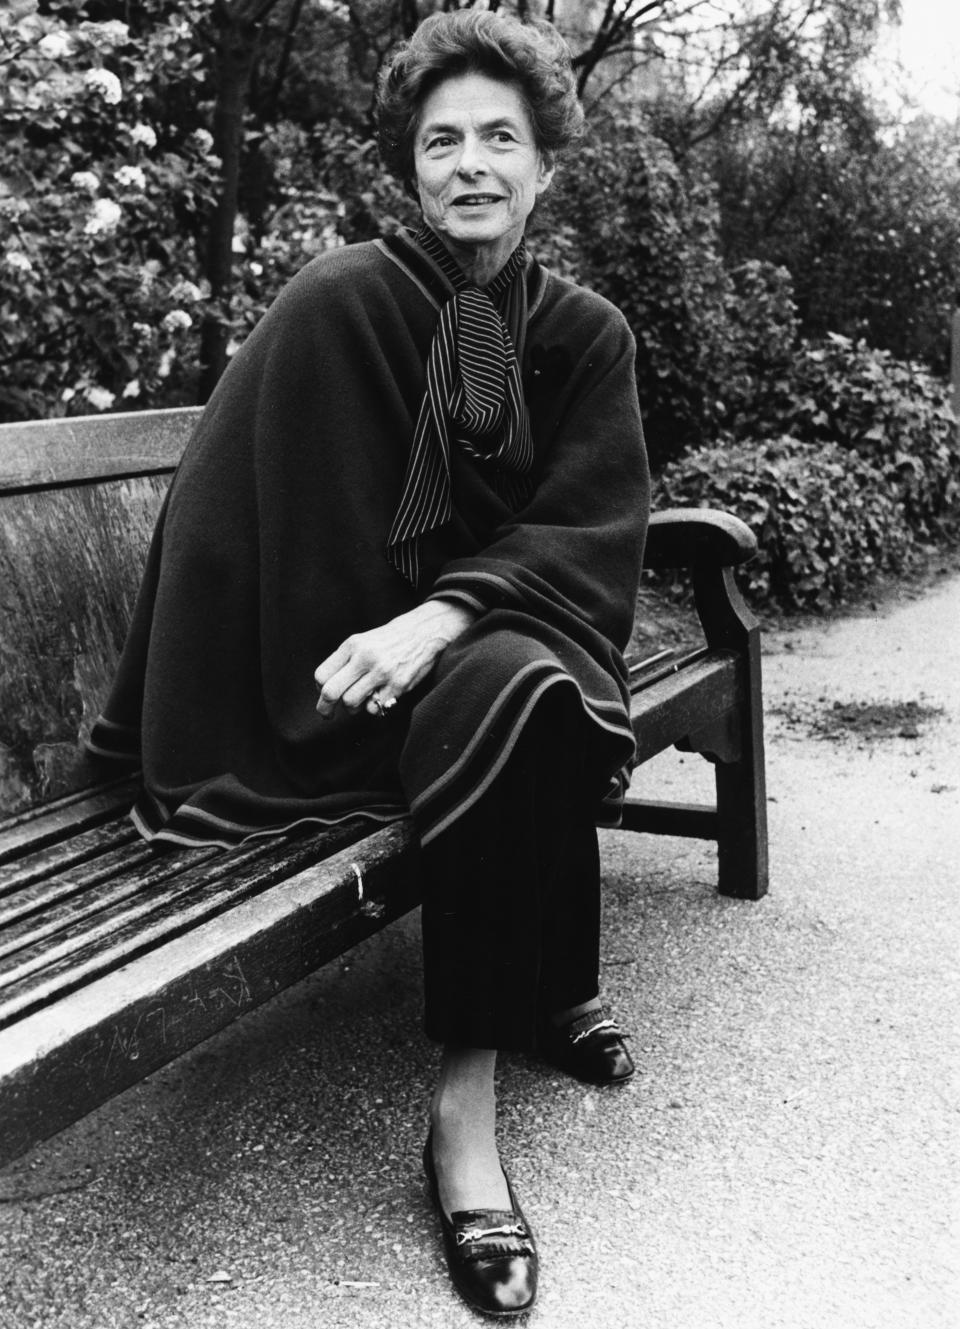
615	27
273	97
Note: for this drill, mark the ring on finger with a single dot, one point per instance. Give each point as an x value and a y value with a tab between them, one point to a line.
382	705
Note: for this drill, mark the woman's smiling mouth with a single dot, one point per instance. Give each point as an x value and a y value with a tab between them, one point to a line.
475	200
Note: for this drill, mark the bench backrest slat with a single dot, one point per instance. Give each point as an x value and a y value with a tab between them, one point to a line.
56	454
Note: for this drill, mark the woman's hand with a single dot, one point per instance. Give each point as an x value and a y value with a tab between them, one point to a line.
390	660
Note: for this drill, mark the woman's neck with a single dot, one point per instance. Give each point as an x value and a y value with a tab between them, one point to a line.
480	262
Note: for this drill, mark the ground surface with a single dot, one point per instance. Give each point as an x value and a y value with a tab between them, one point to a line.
785	1159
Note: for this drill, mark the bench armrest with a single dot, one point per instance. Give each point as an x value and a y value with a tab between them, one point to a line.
682	537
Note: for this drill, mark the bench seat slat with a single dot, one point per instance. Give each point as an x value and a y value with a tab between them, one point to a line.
56	867
644	673
51	907
116	935
700	693
35	829
164	888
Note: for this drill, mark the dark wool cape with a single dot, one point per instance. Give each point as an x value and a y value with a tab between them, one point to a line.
271	550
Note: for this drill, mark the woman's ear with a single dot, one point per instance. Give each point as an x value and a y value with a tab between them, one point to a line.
546	170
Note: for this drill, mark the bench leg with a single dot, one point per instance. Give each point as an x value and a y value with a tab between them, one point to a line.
742	822
741	784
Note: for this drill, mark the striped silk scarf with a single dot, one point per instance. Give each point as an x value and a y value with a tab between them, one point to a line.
473	398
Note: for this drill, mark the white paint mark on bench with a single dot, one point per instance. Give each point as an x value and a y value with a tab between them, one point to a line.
359	876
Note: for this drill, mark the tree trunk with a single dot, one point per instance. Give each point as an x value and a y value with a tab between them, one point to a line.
273	99
235	52
955	362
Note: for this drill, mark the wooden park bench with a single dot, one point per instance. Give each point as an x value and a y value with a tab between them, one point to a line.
116	957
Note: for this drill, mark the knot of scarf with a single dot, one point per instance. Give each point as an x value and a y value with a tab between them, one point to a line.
473	399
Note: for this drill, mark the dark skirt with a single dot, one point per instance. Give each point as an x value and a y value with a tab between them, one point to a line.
511	891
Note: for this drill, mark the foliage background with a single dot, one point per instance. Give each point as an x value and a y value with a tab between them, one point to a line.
783	245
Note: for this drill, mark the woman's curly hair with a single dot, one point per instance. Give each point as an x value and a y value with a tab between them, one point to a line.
532	55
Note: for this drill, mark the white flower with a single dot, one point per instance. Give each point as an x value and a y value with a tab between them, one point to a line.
107	84
203	139
232	347
177	320
85	180
187	292
165	363
256	269
17	261
110	33
100	399
143	330
55	45
114	32
132	389
130	177
330	237
148	274
145	135
104	217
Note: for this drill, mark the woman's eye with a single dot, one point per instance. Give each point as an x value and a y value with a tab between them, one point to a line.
439	141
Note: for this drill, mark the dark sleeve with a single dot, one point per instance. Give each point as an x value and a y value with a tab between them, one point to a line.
576	546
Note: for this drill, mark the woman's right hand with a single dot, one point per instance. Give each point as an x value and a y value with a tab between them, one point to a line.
372	669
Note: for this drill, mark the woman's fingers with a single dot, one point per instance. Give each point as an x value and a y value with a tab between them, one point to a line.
353	685
331	666
360	692
341	678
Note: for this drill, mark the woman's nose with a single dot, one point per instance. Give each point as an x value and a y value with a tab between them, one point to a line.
472	160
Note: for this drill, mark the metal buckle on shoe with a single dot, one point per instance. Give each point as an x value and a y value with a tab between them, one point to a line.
601	1024
478	1233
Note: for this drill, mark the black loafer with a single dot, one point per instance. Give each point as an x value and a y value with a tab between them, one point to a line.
490	1252
590	1048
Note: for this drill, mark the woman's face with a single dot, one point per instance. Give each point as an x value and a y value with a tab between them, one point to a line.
478	168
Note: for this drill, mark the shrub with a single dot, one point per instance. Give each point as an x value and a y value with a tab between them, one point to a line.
714	346
635	231
826	519
855	464
842	459
325	187
752	375
864	211
894	415
99	201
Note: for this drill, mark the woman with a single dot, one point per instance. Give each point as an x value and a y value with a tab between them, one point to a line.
421	489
